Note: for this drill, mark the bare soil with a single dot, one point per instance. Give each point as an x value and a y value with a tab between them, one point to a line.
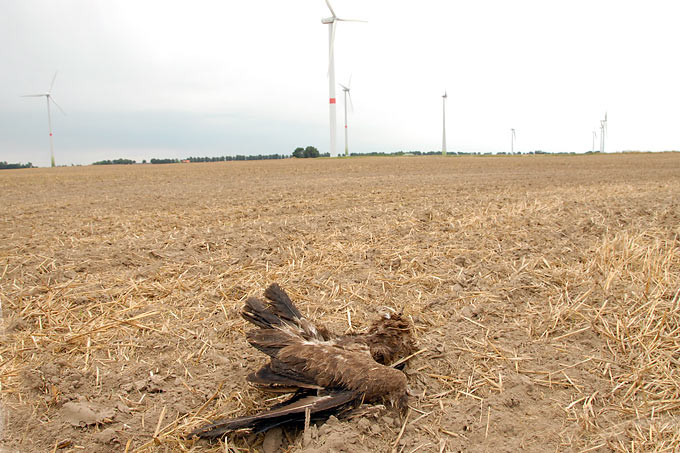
544	291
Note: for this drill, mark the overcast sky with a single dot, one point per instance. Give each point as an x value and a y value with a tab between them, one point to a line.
145	78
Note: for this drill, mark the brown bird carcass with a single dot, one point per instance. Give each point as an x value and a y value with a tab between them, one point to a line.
326	373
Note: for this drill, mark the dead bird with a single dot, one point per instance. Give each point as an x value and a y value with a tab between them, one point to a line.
327	374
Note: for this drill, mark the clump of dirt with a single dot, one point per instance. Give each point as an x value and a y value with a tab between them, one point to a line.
84	413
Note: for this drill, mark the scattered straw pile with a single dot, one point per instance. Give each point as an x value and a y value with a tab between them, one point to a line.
544	290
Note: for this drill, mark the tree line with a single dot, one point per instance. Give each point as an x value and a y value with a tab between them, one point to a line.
237	157
399	153
115	162
307	152
299	152
6	166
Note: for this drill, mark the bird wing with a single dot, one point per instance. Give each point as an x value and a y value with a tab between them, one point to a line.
275	377
290	411
350	368
329	364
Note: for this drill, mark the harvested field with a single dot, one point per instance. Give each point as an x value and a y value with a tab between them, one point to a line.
545	291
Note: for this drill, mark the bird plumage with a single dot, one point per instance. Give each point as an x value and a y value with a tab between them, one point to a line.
327	372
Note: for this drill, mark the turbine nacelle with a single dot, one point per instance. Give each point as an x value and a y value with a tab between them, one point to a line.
346	90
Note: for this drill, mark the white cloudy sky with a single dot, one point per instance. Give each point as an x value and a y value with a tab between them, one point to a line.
146	78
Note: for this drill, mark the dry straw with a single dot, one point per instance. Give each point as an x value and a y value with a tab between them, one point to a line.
545	292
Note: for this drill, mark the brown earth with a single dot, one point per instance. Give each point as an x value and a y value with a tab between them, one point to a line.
544	290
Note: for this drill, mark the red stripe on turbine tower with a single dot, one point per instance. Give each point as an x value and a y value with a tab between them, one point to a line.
332	100
50	134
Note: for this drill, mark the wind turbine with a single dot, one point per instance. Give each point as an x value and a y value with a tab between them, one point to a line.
513	137
444	122
331	22
603	131
347	94
594	137
48	98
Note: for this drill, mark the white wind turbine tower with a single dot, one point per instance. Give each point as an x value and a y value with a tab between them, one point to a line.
603	131
444	124
331	22
594	137
347	94
513	137
48	98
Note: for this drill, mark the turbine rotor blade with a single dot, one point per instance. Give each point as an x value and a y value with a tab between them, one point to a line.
349	83
33	95
55	103
53	79
351	20
351	104
330	7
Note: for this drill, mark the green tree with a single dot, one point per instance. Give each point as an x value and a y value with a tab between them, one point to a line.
299	152
310	151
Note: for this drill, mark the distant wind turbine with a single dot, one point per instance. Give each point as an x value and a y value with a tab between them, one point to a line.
594	137
331	21
603	131
513	137
48	98
347	94
444	124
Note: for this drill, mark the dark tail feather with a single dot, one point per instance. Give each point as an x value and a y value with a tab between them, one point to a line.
281	304
256	312
290	411
274	312
279	311
270	341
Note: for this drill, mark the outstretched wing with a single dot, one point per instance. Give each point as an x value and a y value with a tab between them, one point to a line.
290	411
280	325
